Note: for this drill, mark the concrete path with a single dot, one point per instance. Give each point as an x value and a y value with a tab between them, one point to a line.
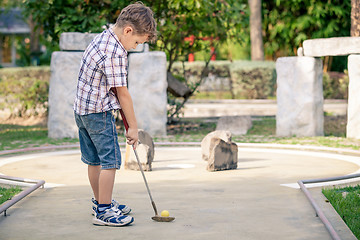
255	107
250	202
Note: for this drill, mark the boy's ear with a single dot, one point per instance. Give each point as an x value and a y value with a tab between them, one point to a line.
128	30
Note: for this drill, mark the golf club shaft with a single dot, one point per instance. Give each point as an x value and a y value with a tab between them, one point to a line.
146	184
138	161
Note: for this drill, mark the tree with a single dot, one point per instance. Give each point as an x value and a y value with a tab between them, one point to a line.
177	19
355	18
288	23
217	20
257	47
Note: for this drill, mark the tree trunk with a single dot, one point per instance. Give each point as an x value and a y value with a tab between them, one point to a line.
257	47
34	42
355	18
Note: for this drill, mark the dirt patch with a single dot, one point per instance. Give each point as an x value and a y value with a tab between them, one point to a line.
335	125
28	121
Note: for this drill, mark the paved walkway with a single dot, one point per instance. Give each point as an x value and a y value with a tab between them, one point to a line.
251	202
255	107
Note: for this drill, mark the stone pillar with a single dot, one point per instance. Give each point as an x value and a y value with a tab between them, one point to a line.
353	122
147	87
299	97
64	71
65	67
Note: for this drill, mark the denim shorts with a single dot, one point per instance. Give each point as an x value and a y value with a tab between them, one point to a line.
98	140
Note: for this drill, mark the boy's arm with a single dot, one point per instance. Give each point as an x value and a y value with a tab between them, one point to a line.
126	104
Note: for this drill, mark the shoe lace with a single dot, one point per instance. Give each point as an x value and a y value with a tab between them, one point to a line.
114	203
116	210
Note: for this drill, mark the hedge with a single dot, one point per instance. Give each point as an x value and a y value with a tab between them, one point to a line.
251	79
244	79
24	90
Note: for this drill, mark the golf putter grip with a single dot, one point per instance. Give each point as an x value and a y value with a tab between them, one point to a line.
124	119
126	125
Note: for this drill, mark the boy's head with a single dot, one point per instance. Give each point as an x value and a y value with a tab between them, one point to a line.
136	25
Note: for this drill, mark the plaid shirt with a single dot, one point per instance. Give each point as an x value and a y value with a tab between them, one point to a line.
103	66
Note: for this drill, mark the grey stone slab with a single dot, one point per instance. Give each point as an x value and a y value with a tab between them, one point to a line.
64	71
147	86
299	97
336	46
237	125
75	41
353	124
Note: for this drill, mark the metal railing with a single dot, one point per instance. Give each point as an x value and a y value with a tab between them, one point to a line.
318	210
22	194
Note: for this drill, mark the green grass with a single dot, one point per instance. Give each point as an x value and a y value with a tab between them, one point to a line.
346	202
8	192
263	131
16	136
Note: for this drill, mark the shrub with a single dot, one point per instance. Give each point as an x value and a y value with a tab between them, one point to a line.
250	79
217	74
25	90
253	79
335	85
244	79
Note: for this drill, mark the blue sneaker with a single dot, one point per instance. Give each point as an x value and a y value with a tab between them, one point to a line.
111	217
114	204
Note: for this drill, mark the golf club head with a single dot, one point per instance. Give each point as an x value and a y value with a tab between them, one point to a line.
162	219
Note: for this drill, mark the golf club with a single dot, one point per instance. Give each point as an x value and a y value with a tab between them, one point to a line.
156	217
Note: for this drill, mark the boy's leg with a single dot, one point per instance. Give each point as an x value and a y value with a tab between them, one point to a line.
102	183
106	185
94	174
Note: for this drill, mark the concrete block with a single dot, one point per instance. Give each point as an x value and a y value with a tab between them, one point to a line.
237	125
205	143
64	71
143	153
299	97
145	150
147	86
353	124
223	155
336	46
75	41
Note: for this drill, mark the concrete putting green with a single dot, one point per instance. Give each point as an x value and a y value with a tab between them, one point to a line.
256	201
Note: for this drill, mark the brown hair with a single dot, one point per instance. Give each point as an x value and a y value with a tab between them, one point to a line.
140	18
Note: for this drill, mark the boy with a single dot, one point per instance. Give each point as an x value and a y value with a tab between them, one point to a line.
101	89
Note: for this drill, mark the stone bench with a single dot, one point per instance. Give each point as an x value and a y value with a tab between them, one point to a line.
299	87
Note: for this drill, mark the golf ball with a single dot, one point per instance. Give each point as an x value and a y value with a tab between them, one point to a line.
165	213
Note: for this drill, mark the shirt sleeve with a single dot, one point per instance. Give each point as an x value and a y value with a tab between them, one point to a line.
115	71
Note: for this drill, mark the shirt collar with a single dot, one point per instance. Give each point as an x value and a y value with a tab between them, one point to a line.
118	41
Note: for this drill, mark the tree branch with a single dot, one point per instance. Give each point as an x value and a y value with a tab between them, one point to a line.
202	77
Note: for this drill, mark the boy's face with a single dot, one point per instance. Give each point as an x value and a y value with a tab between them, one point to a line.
130	40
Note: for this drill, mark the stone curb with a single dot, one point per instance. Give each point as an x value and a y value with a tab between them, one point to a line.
249	145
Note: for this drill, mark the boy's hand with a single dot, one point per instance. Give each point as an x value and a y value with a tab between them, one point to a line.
132	136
